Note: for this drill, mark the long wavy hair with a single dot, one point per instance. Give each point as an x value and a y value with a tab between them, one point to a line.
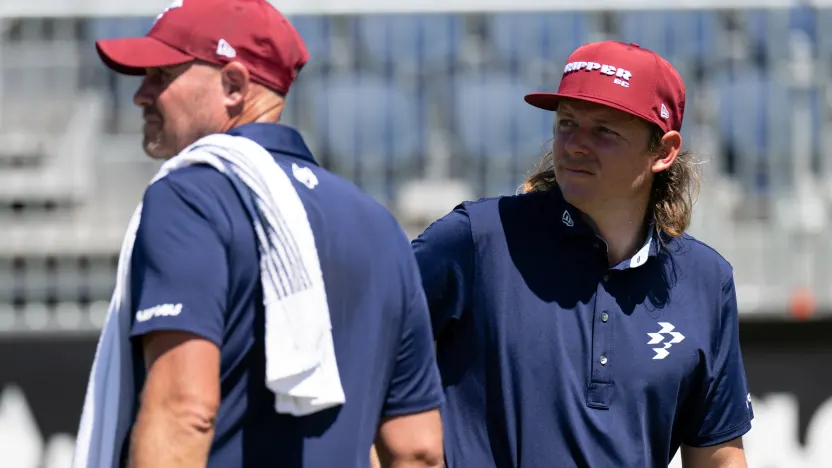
672	197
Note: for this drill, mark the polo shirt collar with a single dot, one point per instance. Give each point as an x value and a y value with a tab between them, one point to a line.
572	224
276	138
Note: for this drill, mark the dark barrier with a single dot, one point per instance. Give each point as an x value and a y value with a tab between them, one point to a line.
789	367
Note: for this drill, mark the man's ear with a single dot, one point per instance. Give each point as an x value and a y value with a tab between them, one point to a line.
235	85
670	148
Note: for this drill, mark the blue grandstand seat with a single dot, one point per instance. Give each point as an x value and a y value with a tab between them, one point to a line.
366	125
416	41
112	28
754	116
803	18
121	88
549	36
316	32
823	22
675	35
817	103
768	31
493	122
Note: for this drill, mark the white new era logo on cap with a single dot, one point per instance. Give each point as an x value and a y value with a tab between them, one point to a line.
665	114
225	49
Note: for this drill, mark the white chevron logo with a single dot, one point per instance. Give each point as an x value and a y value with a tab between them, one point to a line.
656	338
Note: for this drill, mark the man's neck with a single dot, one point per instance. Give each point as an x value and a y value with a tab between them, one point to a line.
623	228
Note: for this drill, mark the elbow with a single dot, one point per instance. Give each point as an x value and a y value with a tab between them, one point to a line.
430	457
194	415
189	414
426	454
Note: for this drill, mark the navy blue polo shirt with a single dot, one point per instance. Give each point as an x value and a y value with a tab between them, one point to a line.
550	357
195	268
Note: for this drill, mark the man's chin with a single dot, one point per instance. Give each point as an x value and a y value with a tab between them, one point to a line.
156	151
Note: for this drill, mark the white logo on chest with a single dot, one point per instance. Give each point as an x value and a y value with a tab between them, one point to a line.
657	338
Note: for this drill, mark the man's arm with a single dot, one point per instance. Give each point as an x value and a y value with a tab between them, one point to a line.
179	281
445	257
728	455
410	432
723	412
175	424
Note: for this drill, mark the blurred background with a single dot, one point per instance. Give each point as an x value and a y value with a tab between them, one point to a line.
421	104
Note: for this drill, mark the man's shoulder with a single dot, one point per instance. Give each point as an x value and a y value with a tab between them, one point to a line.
194	180
700	256
518	212
517	200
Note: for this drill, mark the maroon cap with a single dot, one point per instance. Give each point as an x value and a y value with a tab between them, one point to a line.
624	77
215	31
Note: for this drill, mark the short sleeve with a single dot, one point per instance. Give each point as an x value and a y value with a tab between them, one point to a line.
179	273
445	254
415	385
723	406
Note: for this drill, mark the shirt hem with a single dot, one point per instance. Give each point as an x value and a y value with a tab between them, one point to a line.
420	407
138	332
721	437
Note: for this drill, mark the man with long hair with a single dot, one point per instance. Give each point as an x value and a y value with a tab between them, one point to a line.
577	325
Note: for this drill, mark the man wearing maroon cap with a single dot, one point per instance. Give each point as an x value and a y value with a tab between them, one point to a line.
577	325
196	291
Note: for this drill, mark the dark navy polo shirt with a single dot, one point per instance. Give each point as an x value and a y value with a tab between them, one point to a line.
550	357
195	268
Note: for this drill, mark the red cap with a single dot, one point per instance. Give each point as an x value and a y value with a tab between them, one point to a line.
215	31
622	76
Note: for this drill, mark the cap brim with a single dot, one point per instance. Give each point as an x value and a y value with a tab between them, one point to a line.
545	101
550	101
132	55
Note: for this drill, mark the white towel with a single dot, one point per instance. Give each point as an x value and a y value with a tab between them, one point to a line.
301	368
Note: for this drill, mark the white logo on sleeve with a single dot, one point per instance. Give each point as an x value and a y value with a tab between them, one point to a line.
164	310
656	338
305	176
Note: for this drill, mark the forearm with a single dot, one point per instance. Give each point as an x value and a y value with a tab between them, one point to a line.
164	438
728	455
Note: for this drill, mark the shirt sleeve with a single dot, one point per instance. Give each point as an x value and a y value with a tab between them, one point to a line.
445	254
723	408
415	385
179	273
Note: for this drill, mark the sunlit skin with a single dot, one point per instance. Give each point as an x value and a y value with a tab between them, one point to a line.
183	103
604	169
